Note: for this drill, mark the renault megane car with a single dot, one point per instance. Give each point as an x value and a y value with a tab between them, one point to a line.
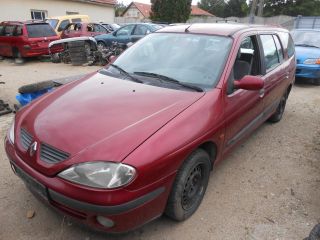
138	138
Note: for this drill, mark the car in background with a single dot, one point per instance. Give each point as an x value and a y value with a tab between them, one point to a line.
121	146
307	46
83	29
111	26
59	23
26	39
127	34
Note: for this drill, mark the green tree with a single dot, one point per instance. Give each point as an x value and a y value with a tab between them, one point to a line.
292	7
236	8
171	11
119	9
216	7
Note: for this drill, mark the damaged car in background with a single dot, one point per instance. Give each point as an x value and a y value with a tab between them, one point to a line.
121	146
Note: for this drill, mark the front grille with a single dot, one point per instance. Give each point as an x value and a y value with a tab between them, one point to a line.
52	155
26	138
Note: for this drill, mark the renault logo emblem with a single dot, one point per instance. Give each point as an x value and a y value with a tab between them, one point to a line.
33	148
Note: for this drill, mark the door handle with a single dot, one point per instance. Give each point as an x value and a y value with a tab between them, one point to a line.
261	93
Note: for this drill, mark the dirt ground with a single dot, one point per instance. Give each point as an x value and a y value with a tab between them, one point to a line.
268	188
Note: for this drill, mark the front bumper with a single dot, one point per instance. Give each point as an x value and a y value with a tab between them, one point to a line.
308	71
125	216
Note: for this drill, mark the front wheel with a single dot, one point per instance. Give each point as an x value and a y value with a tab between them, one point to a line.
189	186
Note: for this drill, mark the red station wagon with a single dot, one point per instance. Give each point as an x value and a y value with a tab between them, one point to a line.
161	117
26	39
84	29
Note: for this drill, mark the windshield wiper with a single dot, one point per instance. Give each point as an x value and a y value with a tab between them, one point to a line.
306	45
126	73
169	79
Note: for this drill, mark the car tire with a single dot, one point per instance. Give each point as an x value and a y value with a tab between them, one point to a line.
316	82
189	186
55	58
277	116
18	58
30	88
315	233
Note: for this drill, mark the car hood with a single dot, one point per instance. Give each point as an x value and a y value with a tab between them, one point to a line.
102	118
303	53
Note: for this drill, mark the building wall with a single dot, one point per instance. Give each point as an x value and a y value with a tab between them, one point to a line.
133	12
21	9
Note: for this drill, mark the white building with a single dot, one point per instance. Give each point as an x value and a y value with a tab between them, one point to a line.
20	10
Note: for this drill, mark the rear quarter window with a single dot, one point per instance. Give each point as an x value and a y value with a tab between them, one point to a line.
287	43
40	30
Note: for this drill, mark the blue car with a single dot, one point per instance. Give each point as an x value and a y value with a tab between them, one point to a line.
307	46
126	34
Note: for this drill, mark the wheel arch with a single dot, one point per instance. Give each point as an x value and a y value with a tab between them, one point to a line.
211	149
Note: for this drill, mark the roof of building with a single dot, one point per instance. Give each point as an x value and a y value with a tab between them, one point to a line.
196	11
222	29
145	10
107	2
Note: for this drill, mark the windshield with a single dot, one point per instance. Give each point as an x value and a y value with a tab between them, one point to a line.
308	38
53	22
189	58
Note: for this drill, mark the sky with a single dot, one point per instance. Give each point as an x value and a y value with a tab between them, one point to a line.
126	2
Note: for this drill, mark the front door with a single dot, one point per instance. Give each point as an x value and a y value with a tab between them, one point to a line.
243	108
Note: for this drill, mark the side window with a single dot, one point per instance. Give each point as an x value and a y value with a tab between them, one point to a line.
18	31
271	57
63	25
1	30
279	48
8	30
125	30
141	30
287	43
247	62
291	48
90	28
76	20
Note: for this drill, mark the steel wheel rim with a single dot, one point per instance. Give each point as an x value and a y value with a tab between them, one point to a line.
193	188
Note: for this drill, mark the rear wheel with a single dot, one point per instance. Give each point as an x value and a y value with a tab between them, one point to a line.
189	186
277	116
17	55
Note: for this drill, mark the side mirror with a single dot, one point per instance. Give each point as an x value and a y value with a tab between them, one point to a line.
249	82
114	33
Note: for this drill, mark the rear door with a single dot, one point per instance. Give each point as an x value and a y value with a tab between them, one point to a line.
7	40
243	108
276	71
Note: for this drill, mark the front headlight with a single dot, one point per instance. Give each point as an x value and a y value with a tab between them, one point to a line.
312	61
11	133
99	174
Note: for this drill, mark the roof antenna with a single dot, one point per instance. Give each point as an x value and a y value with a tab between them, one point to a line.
187	29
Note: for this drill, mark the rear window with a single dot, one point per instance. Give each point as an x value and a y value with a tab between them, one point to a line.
40	30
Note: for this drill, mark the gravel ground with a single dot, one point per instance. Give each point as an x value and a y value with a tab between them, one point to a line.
268	188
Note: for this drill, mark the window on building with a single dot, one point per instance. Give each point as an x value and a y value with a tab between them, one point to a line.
38	14
71	13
